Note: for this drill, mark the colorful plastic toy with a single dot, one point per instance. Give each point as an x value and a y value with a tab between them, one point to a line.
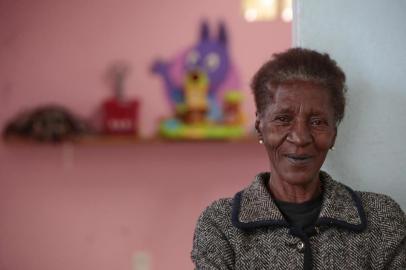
119	115
199	84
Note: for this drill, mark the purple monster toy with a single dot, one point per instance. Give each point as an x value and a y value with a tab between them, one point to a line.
196	80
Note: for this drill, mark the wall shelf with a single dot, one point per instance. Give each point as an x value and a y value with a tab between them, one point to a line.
124	140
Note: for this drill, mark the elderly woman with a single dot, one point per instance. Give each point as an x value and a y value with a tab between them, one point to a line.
296	216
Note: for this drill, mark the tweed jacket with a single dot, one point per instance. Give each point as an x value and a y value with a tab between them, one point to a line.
355	230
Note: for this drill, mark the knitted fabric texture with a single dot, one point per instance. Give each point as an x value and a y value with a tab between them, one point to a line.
355	230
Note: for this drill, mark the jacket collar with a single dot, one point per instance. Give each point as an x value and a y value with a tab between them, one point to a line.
254	206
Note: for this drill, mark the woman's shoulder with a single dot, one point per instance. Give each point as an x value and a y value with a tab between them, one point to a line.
221	211
213	229
218	211
382	211
380	204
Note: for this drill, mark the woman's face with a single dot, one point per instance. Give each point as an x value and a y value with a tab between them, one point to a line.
298	129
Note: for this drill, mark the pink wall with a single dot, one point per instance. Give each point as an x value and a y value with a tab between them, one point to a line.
93	206
58	51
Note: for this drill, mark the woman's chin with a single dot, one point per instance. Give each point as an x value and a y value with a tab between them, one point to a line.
299	178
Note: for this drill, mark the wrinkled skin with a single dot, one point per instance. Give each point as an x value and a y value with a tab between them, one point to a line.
298	129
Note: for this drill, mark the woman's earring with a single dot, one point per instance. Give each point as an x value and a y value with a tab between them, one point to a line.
332	148
261	141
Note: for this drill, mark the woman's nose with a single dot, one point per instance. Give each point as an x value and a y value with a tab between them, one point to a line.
300	134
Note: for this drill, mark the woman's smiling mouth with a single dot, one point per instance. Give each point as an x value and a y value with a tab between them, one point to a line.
299	159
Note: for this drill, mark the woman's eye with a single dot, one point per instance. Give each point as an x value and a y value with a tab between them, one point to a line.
282	118
317	122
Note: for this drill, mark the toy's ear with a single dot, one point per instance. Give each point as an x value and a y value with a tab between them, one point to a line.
204	31
222	33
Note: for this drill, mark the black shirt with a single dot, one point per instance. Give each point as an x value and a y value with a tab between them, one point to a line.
301	215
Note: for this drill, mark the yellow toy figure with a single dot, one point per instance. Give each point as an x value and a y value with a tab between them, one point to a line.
232	112
196	89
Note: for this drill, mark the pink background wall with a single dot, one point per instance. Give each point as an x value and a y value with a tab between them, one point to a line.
94	206
58	51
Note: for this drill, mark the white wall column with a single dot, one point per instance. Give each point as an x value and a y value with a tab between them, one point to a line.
368	40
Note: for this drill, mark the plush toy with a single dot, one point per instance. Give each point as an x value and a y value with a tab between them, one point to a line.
196	82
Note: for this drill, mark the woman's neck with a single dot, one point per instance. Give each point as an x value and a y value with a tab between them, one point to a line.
284	191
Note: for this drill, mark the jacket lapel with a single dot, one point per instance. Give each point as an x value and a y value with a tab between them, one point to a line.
254	207
341	207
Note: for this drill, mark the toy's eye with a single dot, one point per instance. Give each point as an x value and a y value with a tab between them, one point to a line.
192	58
212	61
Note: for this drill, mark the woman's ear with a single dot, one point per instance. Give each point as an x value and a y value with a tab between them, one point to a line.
258	128
257	122
334	138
